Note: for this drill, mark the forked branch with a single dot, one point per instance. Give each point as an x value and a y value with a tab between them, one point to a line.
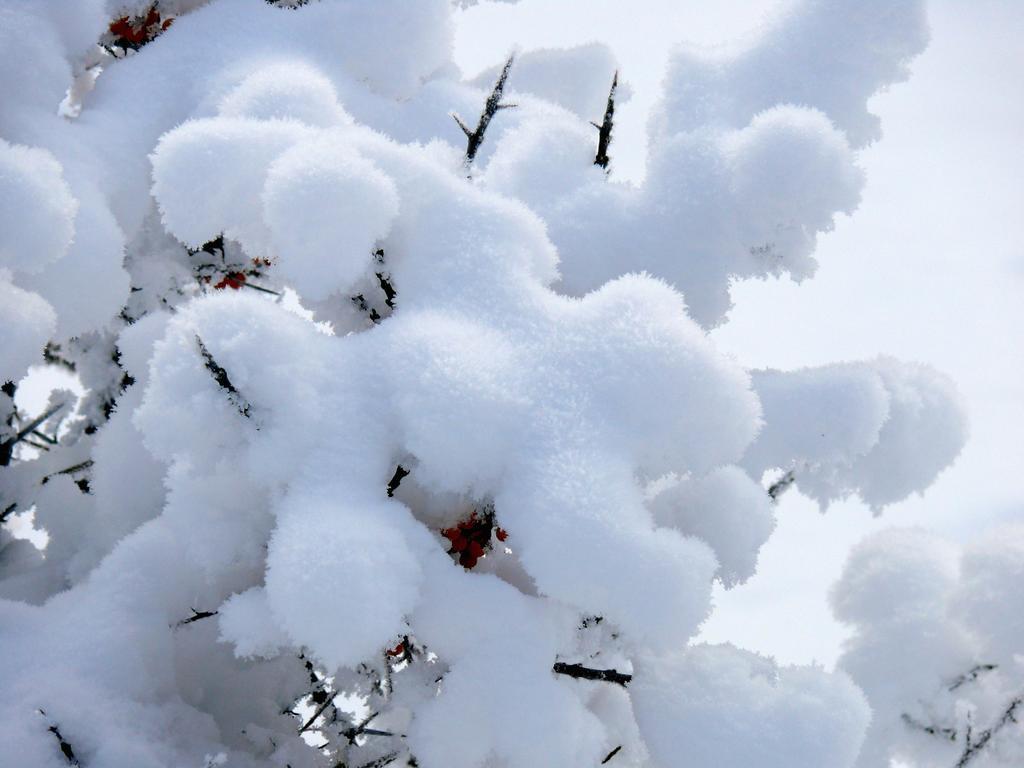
474	138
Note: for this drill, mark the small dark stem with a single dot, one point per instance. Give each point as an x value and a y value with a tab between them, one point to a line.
586	673
221	377
781	485
396	479
971	675
196	616
604	130
65	746
475	138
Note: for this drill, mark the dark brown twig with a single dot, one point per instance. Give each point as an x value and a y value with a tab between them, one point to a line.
604	130
586	673
221	377
493	105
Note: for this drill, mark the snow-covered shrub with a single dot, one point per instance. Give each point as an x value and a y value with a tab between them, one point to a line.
938	646
400	442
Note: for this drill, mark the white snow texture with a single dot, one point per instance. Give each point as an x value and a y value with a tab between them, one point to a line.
255	239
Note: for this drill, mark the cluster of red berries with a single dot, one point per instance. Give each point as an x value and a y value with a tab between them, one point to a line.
233	280
136	31
471	538
236	279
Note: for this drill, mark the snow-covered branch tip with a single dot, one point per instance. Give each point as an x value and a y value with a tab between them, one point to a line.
65	746
974	746
396	479
7	446
971	675
475	138
931	730
384	280
611	754
196	616
586	673
221	377
780	486
604	130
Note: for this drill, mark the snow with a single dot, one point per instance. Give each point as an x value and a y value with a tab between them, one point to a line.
38	211
718	705
936	643
215	242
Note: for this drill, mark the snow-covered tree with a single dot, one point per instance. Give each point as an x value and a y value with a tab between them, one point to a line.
403	441
939	646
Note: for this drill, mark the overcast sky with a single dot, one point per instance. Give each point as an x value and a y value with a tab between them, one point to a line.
930	268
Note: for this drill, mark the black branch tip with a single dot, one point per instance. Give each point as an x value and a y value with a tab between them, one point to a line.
604	130
396	479
475	138
971	675
974	746
24	433
223	381
65	746
611	754
586	673
196	616
781	485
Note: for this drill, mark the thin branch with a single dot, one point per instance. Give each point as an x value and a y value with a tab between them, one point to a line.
221	377
604	130
45	438
611	754
971	675
261	289
69	471
396	479
358	730
7	512
492	106
65	746
27	430
781	485
380	762
586	673
196	616
973	748
364	306
933	730
319	711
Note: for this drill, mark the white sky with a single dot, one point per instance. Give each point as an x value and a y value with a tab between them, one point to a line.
930	268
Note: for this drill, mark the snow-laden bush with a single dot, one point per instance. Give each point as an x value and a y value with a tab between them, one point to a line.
937	647
400	444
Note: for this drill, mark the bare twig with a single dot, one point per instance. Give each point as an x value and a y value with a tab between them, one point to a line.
781	485
604	130
359	730
196	616
396	479
319	711
974	747
65	746
492	106
611	754
971	675
221	377
586	673
7	446
380	762
69	471
933	730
